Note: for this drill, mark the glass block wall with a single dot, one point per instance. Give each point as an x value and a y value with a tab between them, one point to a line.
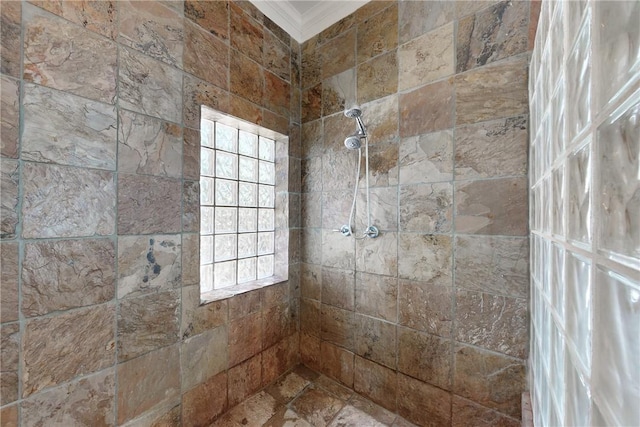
237	206
585	214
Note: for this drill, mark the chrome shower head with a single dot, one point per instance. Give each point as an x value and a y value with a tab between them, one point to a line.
353	113
353	142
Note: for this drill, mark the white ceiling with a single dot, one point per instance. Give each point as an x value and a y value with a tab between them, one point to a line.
303	19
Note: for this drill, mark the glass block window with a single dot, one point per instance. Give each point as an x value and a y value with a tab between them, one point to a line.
237	206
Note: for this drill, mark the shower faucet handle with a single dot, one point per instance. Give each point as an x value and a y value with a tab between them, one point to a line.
345	230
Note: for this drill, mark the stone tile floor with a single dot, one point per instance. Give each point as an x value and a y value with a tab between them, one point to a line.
304	398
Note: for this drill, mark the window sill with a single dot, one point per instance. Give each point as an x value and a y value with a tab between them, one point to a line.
231	291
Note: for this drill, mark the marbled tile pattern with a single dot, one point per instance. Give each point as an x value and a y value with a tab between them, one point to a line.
427	109
206	56
152	28
84	268
78	343
213	16
378	77
11	15
378	34
9	281
65	129
9	182
10	111
64	56
97	16
9	355
67	202
418	17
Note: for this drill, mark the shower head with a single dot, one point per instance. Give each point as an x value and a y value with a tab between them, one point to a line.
353	113
353	142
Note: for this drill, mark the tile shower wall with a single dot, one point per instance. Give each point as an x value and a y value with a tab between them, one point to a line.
101	315
585	215
429	319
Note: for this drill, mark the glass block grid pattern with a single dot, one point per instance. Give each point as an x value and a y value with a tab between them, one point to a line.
584	91
237	206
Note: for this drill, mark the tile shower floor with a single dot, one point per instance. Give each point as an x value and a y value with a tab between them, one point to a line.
304	398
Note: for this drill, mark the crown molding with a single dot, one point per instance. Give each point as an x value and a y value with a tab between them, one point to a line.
303	27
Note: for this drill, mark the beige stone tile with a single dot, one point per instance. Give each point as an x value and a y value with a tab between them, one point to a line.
149	87
245	338
375	411
205	56
497	265
310	317
383	205
197	318
375	340
246	34
9	414
147	323
9	183
168	414
85	267
310	64
9	109
10	59
203	356
273	295
466	412
195	94
286	417
287	387
249	9
338	288
276	56
425	357
9	360
427	109
190	259
9	273
493	322
337	363
311	103
379	255
317	406
148	146
338	251
336	326
65	56
275	324
333	387
492	149
153	29
97	16
191	206
246	78
498	206
372	8
426	58
425	257
255	411
381	119
148	204
352	416
378	34
376	382
204	403
244	304
492	34
376	296
494	91
534	10
212	16
426	208
89	401
245	110
78	343
426	306
64	129
191	153
311	281
383	165
277	94
278	359
338	54
336	29
312	136
469	7
70	202
339	92
311	246
244	380
423	404
492	380
147	381
426	158
147	264
311	174
419	17
378	77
